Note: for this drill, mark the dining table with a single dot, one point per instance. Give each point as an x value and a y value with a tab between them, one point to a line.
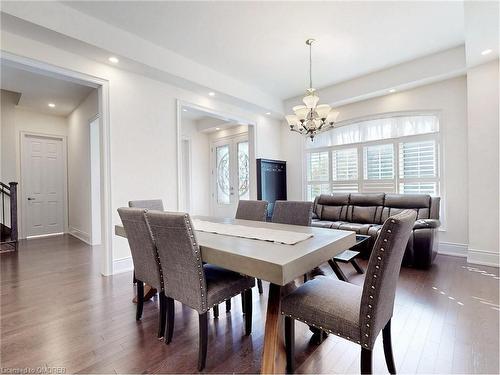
278	263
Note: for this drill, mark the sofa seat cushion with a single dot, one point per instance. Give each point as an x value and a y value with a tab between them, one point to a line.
337	224
321	223
328	304
358	228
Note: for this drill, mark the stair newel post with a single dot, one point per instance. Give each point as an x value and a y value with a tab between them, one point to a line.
13	210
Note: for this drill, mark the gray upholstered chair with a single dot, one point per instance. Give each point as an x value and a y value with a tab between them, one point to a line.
145	257
256	211
189	281
355	313
293	212
252	210
148	204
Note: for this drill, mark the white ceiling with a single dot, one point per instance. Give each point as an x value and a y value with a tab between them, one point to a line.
262	43
38	90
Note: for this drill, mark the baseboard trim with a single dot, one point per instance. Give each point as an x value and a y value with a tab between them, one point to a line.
454	249
81	235
123	265
483	257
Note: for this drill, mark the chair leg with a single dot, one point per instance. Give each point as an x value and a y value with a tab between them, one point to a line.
248	311
140	299
306	278
169	329
290	344
162	315
366	361
389	358
203	341
216	311
228	305
243	303
259	285
134	280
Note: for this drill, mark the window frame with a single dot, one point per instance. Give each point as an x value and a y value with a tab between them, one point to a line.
397	180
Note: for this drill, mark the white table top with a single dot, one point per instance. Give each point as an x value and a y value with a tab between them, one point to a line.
276	263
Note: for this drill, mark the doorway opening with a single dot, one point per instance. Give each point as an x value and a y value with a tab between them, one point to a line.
216	162
56	140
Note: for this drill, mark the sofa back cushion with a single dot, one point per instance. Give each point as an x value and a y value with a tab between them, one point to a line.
333	207
365	208
395	203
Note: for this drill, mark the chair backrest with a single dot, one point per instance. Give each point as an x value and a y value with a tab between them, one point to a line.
251	210
180	256
148	204
379	289
144	255
293	212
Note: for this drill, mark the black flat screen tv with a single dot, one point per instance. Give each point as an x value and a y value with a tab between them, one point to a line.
271	182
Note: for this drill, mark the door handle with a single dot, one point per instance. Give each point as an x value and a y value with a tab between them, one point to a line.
31	199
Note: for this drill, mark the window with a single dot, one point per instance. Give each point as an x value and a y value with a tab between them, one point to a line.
345	170
318	175
394	154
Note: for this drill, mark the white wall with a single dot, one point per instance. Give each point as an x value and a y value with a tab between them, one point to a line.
7	130
142	129
16	120
79	188
200	167
448	97
483	162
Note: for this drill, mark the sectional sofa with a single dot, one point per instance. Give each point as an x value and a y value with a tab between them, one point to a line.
365	214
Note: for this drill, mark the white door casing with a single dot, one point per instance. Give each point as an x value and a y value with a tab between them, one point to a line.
43	184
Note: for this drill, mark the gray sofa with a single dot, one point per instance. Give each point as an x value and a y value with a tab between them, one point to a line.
365	213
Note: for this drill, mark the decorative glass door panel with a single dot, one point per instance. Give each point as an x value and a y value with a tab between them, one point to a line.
223	178
231	174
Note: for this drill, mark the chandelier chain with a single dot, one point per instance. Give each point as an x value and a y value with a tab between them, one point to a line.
310	66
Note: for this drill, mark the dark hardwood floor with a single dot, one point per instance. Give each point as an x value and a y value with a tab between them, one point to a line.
56	310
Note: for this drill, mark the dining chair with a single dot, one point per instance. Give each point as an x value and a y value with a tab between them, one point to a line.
256	211
148	204
145	258
350	311
251	210
293	213
189	281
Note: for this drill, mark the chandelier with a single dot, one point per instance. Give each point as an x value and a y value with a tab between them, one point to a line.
312	118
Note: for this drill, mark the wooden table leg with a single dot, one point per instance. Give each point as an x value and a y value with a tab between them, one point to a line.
337	270
273	354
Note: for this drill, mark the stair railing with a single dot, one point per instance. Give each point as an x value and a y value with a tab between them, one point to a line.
9	228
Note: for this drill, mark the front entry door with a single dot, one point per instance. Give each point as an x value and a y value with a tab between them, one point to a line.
231	175
42	185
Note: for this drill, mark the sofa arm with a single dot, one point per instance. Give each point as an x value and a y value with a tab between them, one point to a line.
426	223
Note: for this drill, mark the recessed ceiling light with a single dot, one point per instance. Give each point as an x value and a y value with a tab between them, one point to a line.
268	113
211	93
52	105
486	52
217	128
184	110
392	90
113	59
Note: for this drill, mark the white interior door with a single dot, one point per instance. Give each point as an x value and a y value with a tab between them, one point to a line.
231	175
43	185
